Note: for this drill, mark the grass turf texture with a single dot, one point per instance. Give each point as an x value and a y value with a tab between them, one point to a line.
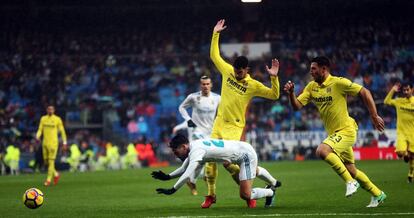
309	188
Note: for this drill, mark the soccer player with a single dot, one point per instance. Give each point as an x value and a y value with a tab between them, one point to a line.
328	93
49	126
405	124
204	105
237	89
198	152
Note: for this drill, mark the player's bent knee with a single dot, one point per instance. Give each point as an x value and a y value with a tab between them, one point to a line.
323	151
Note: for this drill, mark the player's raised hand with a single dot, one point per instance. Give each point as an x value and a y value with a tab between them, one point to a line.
274	70
220	26
166	191
396	87
160	175
289	87
378	123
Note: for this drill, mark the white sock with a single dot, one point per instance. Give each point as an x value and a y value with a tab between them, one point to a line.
264	175
260	193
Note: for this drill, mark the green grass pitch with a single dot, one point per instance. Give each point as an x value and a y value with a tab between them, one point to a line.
309	188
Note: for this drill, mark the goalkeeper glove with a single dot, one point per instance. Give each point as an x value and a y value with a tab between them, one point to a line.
166	191
160	175
190	123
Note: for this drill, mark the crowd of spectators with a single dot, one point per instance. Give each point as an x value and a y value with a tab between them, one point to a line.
132	79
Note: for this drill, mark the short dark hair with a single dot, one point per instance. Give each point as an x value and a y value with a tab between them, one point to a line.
178	140
404	84
240	62
322	61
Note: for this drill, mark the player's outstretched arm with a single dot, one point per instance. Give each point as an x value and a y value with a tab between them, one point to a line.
218	61
388	99
289	89
180	170
377	121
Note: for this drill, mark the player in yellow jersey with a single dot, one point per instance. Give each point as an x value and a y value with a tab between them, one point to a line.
405	124
237	89
328	93
49	126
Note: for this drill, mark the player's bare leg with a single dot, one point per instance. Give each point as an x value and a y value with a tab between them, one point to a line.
192	187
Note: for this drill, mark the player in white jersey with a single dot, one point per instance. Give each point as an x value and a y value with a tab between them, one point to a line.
198	152
204	104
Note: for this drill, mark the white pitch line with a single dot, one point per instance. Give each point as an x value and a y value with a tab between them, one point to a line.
300	214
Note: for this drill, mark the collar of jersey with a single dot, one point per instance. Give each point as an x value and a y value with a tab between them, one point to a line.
243	80
327	81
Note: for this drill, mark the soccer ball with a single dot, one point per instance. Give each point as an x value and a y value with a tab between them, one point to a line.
33	198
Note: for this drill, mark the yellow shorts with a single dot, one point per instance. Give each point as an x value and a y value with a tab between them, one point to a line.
49	152
341	142
223	130
404	143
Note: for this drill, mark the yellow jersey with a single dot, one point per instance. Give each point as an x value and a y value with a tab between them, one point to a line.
330	99
405	113
49	127
236	94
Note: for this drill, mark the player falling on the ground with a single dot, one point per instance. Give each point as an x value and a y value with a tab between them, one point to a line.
198	152
237	89
405	124
328	93
204	105
49	126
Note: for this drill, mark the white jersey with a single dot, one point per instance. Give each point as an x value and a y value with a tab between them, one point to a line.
213	150
204	109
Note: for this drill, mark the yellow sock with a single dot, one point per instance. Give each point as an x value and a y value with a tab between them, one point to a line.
51	169
366	183
411	168
339	167
211	173
234	171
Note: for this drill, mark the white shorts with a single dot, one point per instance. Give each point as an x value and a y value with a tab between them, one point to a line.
248	166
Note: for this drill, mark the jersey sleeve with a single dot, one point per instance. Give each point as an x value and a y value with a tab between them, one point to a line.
348	87
305	96
180	170
40	129
194	161
62	131
188	102
222	66
389	100
270	93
